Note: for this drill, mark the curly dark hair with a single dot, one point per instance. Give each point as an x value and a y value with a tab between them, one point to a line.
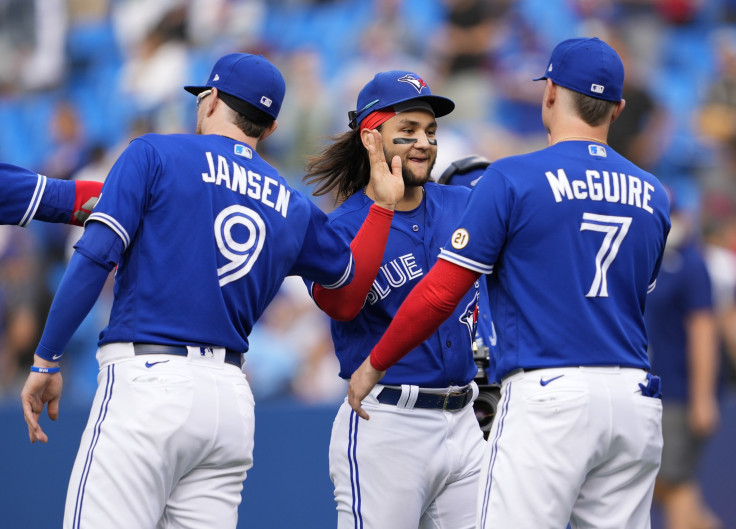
342	167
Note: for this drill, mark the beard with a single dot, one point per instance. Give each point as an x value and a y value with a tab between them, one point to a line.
410	179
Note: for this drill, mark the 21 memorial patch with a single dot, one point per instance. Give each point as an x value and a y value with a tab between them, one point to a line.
460	238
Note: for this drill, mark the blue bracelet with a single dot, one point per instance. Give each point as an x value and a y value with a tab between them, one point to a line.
49	370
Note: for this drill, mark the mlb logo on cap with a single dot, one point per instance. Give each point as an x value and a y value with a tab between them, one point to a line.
587	66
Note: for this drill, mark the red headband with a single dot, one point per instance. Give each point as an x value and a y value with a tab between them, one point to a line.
374	119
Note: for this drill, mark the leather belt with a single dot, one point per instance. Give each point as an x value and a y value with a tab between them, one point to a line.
231	357
448	402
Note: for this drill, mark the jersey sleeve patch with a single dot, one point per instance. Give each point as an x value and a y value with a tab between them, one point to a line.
460	238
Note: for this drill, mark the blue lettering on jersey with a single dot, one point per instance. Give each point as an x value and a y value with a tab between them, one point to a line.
597	186
394	274
258	187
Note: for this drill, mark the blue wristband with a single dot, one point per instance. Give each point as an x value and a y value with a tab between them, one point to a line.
49	370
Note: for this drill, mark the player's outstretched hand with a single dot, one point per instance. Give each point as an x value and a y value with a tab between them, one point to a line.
40	389
386	183
361	383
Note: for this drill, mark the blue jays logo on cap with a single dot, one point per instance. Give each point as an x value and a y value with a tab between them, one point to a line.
387	89
587	66
415	81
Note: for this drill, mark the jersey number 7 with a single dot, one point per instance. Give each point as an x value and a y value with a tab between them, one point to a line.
615	230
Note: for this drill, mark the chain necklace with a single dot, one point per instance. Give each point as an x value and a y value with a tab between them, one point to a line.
585	138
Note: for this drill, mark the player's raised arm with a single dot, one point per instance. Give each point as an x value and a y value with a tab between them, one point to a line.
387	185
31	196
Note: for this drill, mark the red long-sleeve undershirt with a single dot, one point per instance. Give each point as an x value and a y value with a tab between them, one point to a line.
368	245
425	308
84	190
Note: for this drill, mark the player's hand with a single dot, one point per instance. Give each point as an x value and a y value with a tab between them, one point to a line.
703	415
40	389
361	383
386	184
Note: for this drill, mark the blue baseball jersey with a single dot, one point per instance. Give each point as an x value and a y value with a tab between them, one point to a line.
27	195
210	230
412	248
573	236
683	287
485	335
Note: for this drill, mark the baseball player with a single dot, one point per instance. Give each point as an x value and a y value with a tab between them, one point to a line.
467	172
27	196
572	237
203	232
417	463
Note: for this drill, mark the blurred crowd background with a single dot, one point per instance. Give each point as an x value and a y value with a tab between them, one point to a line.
80	78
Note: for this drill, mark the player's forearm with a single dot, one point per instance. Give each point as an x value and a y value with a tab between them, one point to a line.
67	201
368	245
86	195
702	354
425	308
77	293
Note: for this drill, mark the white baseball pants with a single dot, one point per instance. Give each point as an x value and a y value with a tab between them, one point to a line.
575	444
168	443
405	468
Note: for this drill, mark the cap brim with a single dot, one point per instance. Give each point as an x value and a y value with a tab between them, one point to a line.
196	90
540	78
441	106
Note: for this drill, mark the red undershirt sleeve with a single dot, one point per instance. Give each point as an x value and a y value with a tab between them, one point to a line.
425	308
344	304
85	197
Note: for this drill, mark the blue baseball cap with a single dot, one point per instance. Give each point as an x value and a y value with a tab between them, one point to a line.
588	66
249	78
387	89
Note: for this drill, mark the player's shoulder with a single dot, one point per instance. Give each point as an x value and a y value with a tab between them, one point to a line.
155	139
353	209
446	190
447	193
15	171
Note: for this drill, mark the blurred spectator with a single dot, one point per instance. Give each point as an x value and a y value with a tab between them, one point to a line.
717	114
151	77
683	351
32	34
21	297
467	35
637	133
306	115
461	54
69	150
719	233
